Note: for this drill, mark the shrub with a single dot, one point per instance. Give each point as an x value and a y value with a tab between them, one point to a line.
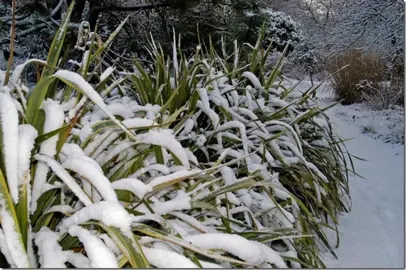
280	29
91	178
381	97
351	67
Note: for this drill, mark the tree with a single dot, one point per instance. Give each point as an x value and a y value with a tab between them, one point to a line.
370	25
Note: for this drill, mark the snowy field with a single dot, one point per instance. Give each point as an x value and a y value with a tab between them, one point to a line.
372	234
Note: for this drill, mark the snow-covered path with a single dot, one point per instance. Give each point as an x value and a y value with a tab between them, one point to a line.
372	234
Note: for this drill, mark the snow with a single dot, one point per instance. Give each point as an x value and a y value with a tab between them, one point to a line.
13	239
27	136
54	118
110	243
78	260
253	79
183	174
9	134
4	250
76	80
165	138
167	259
99	254
110	213
372	234
240	246
133	185
50	252
191	221
386	125
172	205
63	208
66	177
93	174
106	73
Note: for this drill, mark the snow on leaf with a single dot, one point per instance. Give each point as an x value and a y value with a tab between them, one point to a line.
13	240
106	73
253	79
65	177
54	118
50	252
9	134
27	136
240	247
99	254
92	173
80	84
78	260
133	185
64	208
110	213
5	251
167	259
165	138
162	208
173	177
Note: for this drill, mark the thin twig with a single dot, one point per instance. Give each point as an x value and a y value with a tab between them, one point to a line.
13	32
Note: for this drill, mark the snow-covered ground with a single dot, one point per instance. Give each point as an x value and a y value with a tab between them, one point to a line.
372	234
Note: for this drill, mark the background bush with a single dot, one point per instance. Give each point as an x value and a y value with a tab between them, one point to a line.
350	68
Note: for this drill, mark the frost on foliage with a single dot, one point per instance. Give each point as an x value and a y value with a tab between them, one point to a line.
110	213
9	143
50	252
99	254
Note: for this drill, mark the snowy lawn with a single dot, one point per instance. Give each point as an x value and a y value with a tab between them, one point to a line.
372	234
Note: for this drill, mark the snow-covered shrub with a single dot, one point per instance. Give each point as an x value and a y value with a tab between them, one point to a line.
237	175
234	114
307	58
382	96
278	29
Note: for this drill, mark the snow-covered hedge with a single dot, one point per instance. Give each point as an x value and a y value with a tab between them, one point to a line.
196	163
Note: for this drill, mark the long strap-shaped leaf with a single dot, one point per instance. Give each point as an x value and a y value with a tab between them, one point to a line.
127	246
57	43
9	223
